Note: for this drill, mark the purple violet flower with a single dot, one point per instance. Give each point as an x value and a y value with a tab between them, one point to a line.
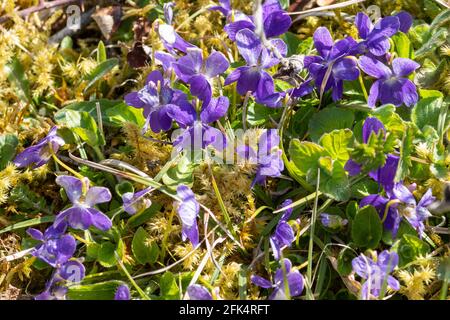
415	213
188	210
71	271
269	157
401	204
40	153
275	21
155	98
55	248
253	76
136	202
166	60
391	218
304	89
406	21
283	235
82	214
375	38
224	7
196	133
391	86
122	293
376	273
198	292
333	63
293	277
169	37
196	71
332	221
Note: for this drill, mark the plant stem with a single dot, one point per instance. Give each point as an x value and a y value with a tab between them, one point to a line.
139	290
244	110
221	203
363	87
62	164
444	289
166	235
311	239
301	201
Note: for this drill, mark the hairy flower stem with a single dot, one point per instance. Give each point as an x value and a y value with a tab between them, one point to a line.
233	104
301	201
221	203
62	164
166	235
244	110
363	87
386	210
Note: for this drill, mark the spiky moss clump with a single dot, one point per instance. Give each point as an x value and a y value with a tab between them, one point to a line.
13	273
415	284
146	154
228	281
28	41
234	188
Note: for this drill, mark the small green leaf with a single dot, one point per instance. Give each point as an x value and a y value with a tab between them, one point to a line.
406	149
411	247
367	228
101	52
8	145
92	250
106	254
142	250
142	217
83	124
100	71
124	187
16	75
168	287
328	120
292	41
363	188
98	291
114	112
351	210
305	155
258	115
390	118
403	45
336	143
335	185
181	173
345	258
426	111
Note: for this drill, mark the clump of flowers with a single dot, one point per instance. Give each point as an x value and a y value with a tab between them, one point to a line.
376	273
284	275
